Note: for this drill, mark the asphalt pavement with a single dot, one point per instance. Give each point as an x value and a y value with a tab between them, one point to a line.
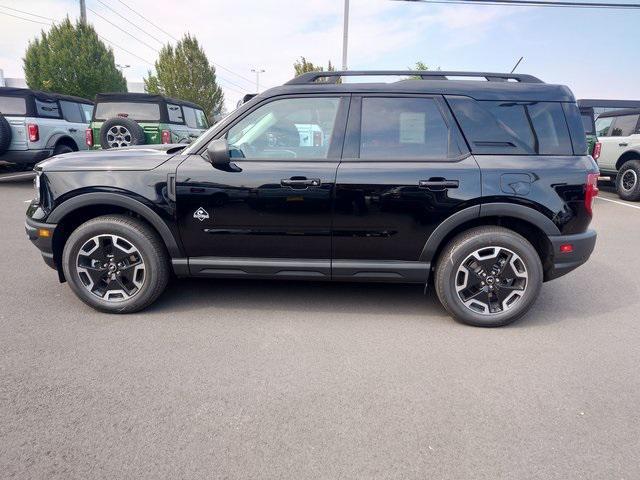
262	380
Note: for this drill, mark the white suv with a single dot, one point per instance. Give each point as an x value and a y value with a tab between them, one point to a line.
618	150
36	125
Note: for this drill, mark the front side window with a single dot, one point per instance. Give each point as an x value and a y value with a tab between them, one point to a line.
624	126
71	111
47	109
13	106
142	112
603	126
402	128
293	128
175	113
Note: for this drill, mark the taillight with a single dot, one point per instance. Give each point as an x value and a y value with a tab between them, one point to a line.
591	191
597	148
88	137
34	132
166	136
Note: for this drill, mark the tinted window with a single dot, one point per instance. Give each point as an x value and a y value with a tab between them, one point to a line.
513	127
175	113
201	119
87	110
47	109
587	123
149	112
295	128
190	117
603	125
402	128
71	112
13	106
624	126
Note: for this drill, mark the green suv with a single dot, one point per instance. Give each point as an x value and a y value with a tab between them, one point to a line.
125	119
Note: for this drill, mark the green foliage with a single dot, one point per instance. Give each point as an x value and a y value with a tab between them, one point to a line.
420	66
72	60
184	72
303	66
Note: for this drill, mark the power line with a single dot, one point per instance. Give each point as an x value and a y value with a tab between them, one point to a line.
535	3
123	30
27	19
26	13
130	22
124	49
148	21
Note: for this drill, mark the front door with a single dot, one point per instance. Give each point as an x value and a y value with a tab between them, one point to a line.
270	214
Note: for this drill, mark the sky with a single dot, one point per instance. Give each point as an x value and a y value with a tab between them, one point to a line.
594	52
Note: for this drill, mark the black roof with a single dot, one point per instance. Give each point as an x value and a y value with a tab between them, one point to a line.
617	113
496	86
44	96
143	97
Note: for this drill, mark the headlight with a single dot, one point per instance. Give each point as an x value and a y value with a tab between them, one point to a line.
36	185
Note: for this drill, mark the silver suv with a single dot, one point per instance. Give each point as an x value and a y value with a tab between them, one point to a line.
36	125
618	150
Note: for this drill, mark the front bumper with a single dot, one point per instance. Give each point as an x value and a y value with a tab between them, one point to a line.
25	157
564	262
44	243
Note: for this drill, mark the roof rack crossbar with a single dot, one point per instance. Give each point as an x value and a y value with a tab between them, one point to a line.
333	77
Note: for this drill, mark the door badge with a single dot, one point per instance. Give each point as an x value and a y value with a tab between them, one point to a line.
201	214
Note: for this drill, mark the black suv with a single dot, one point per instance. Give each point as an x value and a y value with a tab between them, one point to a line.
483	189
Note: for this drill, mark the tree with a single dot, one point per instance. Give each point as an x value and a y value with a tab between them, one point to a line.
420	66
303	66
184	72
71	59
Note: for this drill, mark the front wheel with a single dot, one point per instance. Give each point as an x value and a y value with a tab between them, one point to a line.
116	264
628	181
488	276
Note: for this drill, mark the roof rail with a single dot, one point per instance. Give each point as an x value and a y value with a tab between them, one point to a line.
333	77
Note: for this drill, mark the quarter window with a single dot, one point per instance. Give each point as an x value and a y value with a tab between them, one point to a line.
603	126
190	117
624	126
201	119
71	111
402	128
87	110
294	128
47	109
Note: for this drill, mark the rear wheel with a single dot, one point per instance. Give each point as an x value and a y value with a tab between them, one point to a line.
116	264
488	276
628	181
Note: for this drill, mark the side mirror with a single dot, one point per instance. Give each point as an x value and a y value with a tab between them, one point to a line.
218	153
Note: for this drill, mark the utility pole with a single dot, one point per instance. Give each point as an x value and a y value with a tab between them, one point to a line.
345	34
257	71
83	12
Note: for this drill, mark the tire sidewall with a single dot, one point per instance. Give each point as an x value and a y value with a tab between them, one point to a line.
634	193
447	278
137	133
62	149
137	238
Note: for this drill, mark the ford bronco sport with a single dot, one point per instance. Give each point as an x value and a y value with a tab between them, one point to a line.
125	119
35	125
482	189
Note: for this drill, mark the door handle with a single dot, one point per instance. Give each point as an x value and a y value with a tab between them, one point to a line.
438	184
623	144
73	130
300	182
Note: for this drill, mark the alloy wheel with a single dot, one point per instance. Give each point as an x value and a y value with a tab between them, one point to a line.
491	280
118	136
629	180
110	267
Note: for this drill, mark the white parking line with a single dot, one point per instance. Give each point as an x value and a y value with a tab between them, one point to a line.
619	203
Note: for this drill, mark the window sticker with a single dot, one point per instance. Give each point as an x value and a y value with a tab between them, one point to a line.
412	127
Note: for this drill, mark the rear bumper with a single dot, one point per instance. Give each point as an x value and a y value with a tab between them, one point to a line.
562	263
25	157
43	243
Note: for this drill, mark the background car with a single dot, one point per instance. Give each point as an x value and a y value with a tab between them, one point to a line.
619	156
35	125
125	119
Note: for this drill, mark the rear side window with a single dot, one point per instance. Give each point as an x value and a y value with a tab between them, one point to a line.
190	117
403	129
48	109
504	127
71	111
143	112
13	106
175	113
201	119
587	123
603	126
624	125
87	111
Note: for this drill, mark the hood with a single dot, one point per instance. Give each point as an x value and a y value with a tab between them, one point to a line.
139	157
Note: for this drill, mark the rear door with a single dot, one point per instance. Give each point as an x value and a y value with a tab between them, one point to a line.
404	170
74	116
617	134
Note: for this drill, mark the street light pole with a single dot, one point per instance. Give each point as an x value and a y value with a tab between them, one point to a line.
345	34
83	12
257	71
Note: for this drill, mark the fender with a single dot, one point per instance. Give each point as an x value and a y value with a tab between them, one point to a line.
513	210
53	139
629	155
106	198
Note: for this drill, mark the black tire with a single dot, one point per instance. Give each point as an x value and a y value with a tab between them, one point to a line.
137	234
628	181
5	134
62	148
135	134
458	251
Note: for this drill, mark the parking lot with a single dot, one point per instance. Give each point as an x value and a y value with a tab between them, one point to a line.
229	379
